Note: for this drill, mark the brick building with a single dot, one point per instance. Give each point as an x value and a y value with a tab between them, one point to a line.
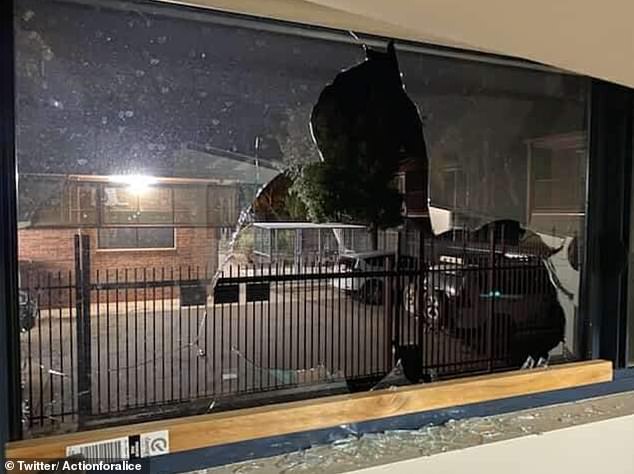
136	222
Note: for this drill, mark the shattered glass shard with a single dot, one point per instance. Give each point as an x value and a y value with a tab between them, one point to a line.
529	363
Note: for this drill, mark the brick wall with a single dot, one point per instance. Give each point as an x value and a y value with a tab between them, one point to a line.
47	257
195	247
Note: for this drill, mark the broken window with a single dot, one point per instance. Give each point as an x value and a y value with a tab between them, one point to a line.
144	126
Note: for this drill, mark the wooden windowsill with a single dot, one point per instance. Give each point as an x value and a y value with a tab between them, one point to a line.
252	423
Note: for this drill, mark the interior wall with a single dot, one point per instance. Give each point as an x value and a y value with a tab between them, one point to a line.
586	37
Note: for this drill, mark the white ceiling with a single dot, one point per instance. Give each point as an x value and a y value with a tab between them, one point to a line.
590	37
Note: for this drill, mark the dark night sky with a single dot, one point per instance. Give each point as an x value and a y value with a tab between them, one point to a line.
110	91
113	89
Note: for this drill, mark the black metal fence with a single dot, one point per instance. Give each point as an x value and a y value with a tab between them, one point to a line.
106	344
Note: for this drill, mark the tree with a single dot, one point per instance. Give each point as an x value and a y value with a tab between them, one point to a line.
277	201
365	126
350	194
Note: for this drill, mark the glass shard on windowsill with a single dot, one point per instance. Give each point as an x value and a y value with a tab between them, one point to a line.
354	451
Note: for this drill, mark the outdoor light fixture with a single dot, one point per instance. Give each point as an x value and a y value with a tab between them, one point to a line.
136	183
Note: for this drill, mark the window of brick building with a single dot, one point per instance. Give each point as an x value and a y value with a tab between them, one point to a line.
223	207
190	206
134	207
126	238
125	205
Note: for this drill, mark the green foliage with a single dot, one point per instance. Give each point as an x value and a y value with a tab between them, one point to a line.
294	206
353	191
245	242
285	245
278	202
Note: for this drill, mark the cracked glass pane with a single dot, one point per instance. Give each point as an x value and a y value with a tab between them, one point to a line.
218	211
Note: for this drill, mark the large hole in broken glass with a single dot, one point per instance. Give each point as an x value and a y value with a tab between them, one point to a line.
169	261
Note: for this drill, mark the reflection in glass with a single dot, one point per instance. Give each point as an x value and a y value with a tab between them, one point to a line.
145	134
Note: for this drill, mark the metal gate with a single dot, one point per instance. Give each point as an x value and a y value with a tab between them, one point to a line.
136	343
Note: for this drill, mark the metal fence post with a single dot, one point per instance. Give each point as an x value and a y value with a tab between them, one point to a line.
82	311
390	341
419	304
398	299
492	294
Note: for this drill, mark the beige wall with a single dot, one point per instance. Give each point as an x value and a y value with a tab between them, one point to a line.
584	36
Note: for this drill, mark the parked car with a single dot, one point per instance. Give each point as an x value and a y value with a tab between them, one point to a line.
520	301
367	288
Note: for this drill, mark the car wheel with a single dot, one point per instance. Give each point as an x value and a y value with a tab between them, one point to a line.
372	292
434	308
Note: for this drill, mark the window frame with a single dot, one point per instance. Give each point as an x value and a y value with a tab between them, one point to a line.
99	248
102	221
581	150
9	179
